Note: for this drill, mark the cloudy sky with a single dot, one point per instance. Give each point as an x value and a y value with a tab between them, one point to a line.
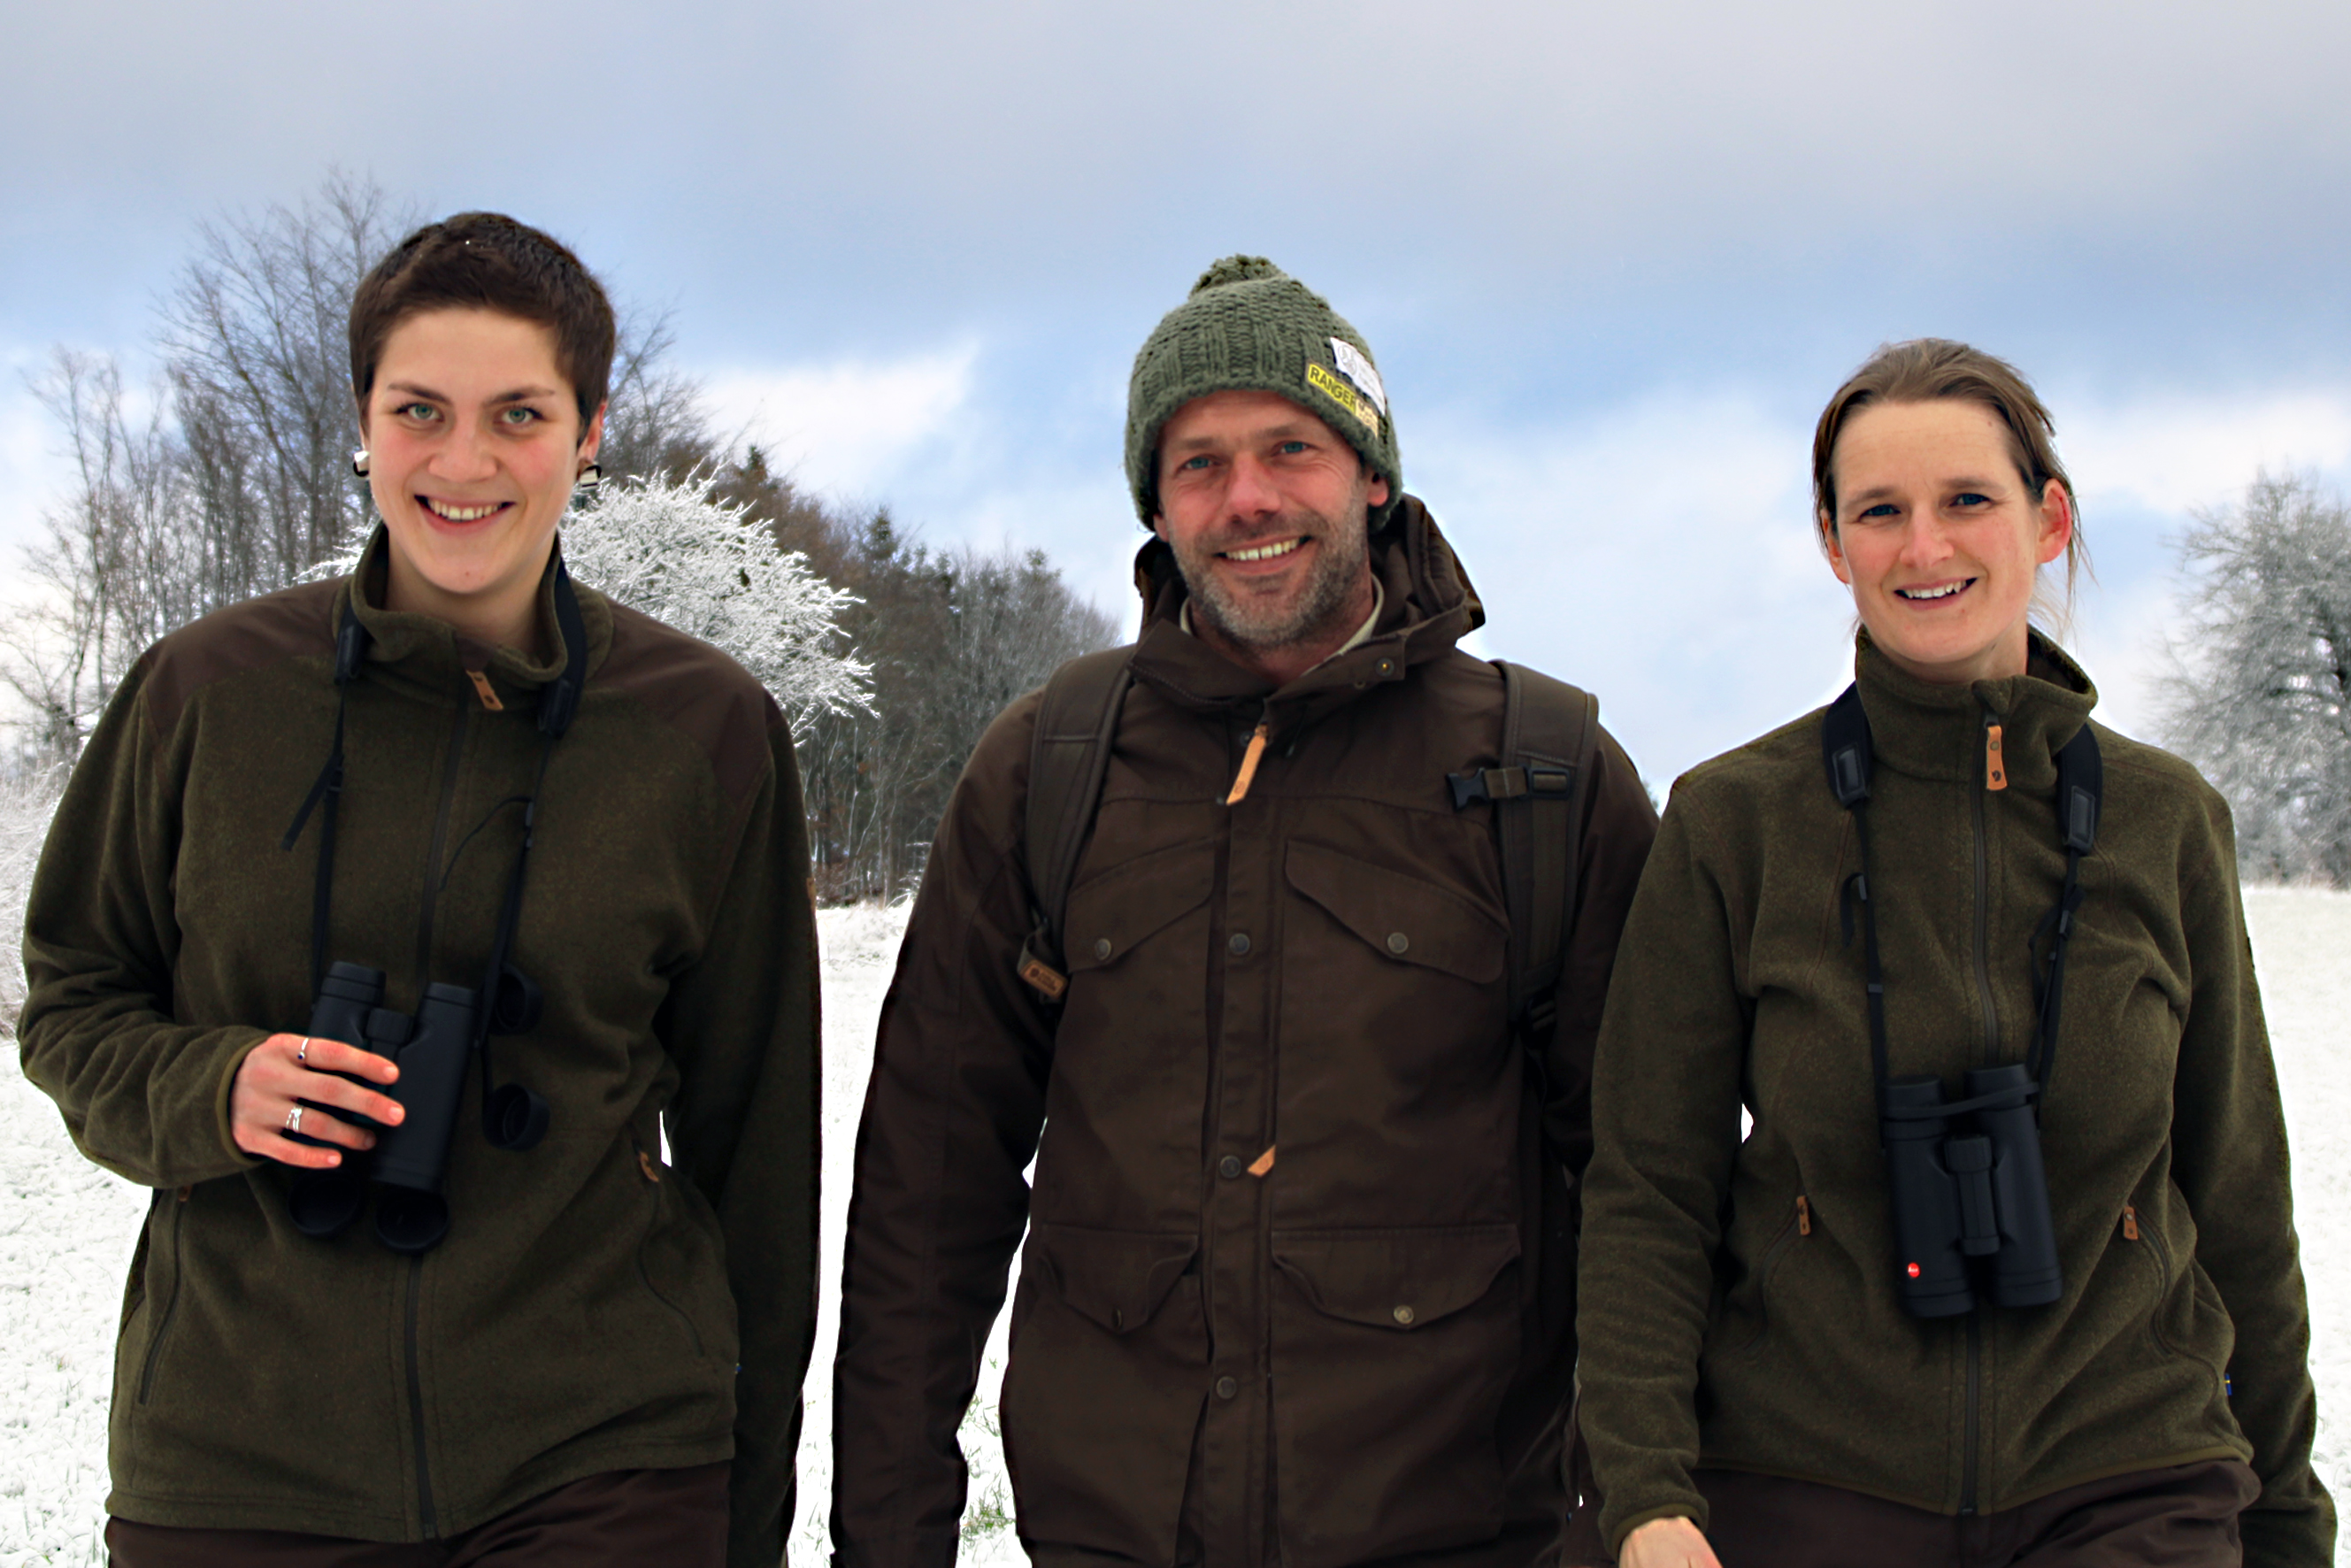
1611	258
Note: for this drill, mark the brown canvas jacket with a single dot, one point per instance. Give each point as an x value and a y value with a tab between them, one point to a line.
589	1307
1295	1282
1738	1306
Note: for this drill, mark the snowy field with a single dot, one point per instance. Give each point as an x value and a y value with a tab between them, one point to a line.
65	1233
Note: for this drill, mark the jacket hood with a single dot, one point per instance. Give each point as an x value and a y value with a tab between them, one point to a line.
1427	605
1936	731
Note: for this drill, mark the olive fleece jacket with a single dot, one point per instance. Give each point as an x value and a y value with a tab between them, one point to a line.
1738	1305
1299	1274
583	1313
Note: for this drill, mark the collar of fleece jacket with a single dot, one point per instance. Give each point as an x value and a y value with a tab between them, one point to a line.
1937	732
430	653
1428	605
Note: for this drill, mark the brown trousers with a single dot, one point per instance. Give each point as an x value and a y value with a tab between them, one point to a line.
2184	1516
618	1520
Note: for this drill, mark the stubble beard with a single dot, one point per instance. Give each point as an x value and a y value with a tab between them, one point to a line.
1263	625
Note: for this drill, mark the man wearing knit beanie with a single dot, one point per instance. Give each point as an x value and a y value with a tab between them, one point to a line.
1277	940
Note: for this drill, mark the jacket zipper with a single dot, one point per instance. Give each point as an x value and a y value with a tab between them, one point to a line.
416	1404
432	869
1983	912
1974	1420
450	770
1995	778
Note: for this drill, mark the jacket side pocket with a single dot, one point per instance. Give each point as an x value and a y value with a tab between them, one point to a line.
161	1295
1750	1336
1104	1387
1391	1352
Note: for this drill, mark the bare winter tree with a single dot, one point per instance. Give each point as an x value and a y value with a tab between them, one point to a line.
2261	697
115	569
257	338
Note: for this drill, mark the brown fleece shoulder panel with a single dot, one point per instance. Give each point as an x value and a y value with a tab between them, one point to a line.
686	683
286	624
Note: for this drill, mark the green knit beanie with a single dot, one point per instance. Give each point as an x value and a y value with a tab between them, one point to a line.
1251	326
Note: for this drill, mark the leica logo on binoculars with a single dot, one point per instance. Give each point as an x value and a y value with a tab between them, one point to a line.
432	1046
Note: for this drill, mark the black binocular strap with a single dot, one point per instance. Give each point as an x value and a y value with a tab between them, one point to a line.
1845	747
350	650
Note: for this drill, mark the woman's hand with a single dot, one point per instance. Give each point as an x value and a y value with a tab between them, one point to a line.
285	1075
1668	1544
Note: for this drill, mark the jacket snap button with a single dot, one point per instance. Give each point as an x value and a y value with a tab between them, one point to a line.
1240	944
1403	1316
1102	946
1398	941
1227	1388
1228	1167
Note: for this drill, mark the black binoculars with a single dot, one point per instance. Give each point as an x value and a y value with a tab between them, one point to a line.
1970	1202
432	1047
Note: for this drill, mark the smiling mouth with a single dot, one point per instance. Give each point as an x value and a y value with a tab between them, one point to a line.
1264	551
1940	591
449	511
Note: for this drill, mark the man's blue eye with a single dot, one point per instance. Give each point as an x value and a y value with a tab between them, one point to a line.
1883	509
1292	448
1970	499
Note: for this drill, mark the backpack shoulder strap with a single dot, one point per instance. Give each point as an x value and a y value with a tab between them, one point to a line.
1551	736
1068	758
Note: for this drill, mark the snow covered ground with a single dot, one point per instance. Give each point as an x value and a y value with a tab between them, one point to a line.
65	1233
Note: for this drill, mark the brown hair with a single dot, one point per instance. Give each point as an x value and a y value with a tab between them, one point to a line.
487	261
1925	369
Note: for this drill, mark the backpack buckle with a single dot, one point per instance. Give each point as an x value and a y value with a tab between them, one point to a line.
1487	784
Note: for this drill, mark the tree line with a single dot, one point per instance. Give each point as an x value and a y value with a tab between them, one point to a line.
228	474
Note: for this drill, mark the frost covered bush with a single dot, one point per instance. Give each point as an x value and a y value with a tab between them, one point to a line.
694	562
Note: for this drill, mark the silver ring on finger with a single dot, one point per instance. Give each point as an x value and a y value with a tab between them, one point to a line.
302	1052
294	1120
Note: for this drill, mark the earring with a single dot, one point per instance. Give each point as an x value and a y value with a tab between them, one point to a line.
358	461
591	476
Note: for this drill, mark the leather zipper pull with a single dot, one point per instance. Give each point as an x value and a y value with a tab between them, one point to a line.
1995	770
1249	760
2130	1223
1263	1163
1803	1215
482	689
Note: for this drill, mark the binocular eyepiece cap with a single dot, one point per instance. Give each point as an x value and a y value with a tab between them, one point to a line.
322	1204
409	1221
516	1119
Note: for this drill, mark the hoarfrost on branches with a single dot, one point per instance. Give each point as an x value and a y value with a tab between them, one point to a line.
675	551
2261	701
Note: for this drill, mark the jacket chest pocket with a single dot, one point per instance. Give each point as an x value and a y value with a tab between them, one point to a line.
1130	1053
1400	1081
